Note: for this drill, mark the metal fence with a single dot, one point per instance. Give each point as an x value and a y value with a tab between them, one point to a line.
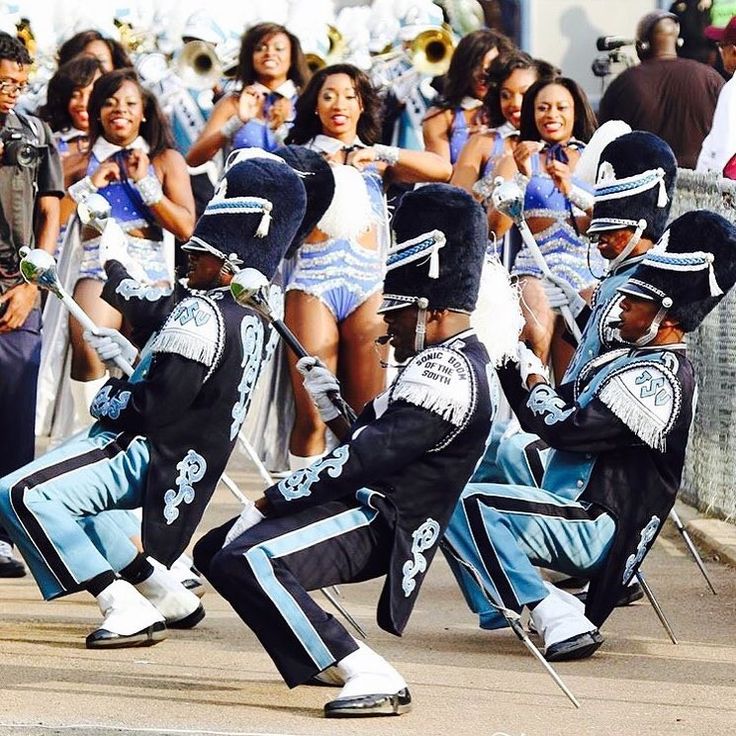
709	480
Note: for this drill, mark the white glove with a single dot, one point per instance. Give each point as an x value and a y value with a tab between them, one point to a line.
318	381
529	364
110	344
560	294
249	517
114	247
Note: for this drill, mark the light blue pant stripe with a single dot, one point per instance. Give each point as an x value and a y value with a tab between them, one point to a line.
259	558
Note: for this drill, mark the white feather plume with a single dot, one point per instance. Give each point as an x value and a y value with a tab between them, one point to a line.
350	213
497	318
587	166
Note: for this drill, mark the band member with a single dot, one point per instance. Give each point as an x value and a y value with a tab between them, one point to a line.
163	437
378	503
618	437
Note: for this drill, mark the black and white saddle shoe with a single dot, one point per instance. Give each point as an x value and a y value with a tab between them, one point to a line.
362	706
130	620
105	639
576	647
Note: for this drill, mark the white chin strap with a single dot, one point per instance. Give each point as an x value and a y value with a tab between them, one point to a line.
421	328
629	247
651	333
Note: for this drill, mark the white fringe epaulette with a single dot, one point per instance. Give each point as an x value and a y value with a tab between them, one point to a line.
497	318
350	213
646	397
194	330
440	380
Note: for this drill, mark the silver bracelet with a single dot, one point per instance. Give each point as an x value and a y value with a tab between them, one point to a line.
388	154
580	198
231	126
149	187
81	189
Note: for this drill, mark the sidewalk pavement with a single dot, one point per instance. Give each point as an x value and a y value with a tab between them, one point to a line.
216	679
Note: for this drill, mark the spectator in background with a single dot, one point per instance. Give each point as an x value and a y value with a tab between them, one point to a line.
671	97
459	111
108	52
272	71
694	18
29	215
720	144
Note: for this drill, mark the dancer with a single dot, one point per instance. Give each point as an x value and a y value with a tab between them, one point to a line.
272	71
133	164
334	288
460	111
508	79
556	121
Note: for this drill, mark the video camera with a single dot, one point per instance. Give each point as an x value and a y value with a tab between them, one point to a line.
17	149
601	65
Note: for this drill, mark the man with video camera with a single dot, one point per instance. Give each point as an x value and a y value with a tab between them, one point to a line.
671	97
31	186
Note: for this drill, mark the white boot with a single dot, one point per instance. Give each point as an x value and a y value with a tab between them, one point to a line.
129	619
183	570
179	606
83	392
566	632
372	687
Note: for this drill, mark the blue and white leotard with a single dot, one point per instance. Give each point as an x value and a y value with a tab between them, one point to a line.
341	272
131	214
564	250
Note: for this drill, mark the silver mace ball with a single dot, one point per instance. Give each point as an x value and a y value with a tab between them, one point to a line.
250	288
508	198
94	210
39	267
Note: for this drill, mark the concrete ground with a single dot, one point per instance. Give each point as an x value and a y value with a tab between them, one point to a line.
216	679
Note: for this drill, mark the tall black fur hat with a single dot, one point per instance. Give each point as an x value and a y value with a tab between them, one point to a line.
441	234
690	269
636	181
253	216
319	183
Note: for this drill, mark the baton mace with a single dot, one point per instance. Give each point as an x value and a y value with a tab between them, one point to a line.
508	198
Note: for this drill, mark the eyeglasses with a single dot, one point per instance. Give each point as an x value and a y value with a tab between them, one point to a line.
12	88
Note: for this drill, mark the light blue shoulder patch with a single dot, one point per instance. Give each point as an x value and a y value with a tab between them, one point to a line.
194	330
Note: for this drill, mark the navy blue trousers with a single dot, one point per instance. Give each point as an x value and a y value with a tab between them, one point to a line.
266	572
20	356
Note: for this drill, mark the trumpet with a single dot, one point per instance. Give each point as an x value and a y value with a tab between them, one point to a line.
198	66
431	51
320	56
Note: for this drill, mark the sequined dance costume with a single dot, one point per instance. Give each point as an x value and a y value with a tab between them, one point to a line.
130	213
340	272
564	250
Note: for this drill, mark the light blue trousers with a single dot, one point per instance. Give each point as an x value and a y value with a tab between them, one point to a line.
53	508
503	531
